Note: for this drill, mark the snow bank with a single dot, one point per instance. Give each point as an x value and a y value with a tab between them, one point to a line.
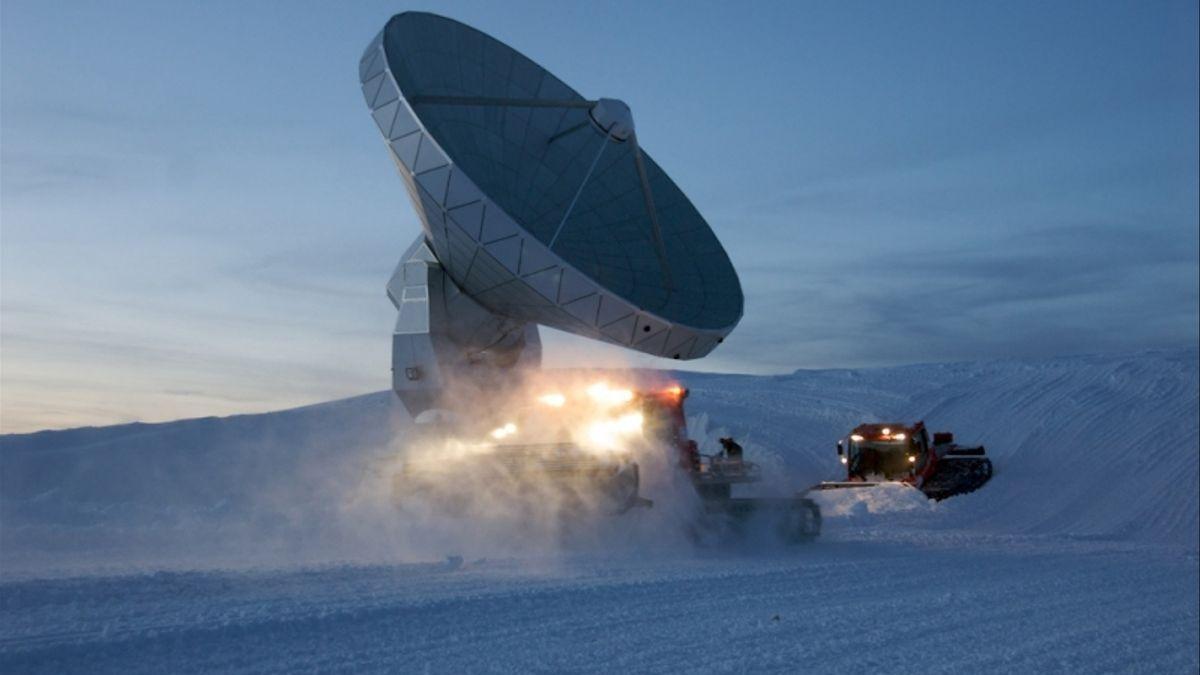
1092	446
884	500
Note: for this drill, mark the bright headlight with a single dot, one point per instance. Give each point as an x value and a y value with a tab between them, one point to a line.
855	437
899	437
601	393
504	431
607	434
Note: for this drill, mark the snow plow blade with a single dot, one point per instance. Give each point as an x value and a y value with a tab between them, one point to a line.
848	484
793	521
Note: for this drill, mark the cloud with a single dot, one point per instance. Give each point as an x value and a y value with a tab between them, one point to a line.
1066	289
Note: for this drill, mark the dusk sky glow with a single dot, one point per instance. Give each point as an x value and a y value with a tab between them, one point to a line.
197	214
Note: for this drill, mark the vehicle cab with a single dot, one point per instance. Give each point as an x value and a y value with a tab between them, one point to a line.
886	452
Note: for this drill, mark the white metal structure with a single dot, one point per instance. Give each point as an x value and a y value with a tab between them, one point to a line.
537	206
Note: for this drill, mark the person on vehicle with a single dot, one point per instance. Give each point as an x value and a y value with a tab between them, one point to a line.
732	450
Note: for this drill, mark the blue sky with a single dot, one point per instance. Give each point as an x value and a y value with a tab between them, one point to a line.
197	215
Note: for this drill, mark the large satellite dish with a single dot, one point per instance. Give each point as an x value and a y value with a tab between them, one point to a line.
538	206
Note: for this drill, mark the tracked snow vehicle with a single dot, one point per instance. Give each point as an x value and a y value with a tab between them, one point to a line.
898	453
576	454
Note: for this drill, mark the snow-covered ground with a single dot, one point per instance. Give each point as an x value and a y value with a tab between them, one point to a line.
264	543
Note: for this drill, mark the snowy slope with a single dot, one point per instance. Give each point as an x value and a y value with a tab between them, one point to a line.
190	490
1098	446
1081	554
1102	446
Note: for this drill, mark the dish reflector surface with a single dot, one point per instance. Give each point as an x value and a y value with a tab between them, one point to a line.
556	173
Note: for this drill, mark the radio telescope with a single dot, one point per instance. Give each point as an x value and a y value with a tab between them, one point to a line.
537	206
